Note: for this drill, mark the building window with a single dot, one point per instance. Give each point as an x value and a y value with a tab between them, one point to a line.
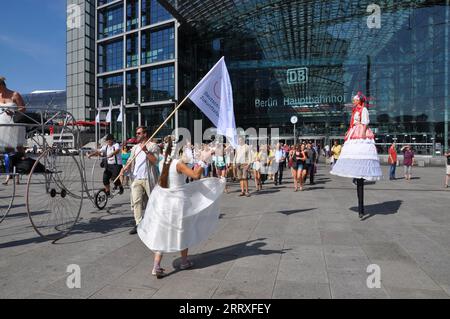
132	50
110	88
153	116
132	120
110	56
153	12
132	87
158	45
132	15
110	21
158	84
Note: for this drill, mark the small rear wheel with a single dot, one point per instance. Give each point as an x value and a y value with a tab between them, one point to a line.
101	199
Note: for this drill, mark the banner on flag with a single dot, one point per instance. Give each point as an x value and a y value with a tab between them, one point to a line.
214	97
108	116
120	117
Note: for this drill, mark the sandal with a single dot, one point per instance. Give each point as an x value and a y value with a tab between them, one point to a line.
187	265
241	194
159	273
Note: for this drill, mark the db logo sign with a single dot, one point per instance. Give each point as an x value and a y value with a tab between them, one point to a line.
297	76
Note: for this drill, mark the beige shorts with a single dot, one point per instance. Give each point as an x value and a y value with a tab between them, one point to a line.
242	171
448	169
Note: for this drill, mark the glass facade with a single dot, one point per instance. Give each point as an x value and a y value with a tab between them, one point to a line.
158	45
152	117
135	63
285	58
158	84
132	50
152	12
132	14
132	87
308	58
47	100
110	88
110	56
110	21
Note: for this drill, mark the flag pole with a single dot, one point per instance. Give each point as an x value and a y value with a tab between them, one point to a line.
122	110
151	137
96	128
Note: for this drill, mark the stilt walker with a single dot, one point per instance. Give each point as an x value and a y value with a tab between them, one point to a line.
359	159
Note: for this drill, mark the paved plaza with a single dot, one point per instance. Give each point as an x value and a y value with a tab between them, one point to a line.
275	244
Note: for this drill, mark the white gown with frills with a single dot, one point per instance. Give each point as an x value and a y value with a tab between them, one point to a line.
10	136
182	215
359	157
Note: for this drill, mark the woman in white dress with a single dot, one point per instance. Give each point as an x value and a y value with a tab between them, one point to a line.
10	136
179	215
359	157
256	159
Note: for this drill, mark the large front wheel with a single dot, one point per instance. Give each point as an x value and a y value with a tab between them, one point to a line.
54	194
7	194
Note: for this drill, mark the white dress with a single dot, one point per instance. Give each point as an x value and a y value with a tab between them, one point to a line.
359	157
182	215
10	136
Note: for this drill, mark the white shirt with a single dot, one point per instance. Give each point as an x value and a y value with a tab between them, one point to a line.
140	166
109	150
242	154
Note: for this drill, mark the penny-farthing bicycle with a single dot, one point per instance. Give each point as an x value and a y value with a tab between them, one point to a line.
55	187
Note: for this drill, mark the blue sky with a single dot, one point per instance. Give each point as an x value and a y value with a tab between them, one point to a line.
33	44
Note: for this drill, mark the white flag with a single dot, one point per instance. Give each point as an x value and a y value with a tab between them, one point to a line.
214	96
97	117
108	116
119	118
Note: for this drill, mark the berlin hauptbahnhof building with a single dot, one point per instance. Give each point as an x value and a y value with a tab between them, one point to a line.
301	57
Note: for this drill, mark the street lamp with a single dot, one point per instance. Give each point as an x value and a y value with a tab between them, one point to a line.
426	141
294	120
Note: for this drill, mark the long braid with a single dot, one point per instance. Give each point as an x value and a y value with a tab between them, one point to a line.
164	179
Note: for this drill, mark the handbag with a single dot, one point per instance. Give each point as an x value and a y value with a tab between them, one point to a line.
103	163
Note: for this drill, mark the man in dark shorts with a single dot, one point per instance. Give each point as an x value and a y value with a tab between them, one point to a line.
112	163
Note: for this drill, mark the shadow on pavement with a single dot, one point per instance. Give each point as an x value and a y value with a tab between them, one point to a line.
106	227
229	253
386	208
263	192
306	188
15	243
295	211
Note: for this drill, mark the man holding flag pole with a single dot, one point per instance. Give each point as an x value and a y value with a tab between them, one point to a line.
179	215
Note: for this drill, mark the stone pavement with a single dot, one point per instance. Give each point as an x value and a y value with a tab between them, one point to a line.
275	244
